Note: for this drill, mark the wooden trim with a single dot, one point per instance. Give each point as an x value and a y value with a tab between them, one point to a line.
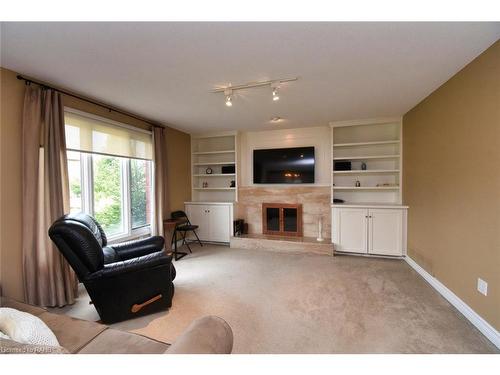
137	307
281	207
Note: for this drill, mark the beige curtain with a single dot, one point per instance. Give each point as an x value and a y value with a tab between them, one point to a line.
162	208
48	279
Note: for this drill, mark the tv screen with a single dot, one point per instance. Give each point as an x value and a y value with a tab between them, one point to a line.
284	166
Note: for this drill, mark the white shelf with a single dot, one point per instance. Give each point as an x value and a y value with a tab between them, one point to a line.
366	188
215	175
213	152
369	205
215	188
355	144
367	157
367	171
215	163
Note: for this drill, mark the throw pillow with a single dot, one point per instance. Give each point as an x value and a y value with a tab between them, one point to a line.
25	328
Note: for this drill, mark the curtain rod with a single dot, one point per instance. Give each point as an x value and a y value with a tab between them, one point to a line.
110	109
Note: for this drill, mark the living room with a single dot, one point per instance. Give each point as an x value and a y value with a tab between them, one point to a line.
255	188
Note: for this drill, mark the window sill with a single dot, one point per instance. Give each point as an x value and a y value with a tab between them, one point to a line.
135	235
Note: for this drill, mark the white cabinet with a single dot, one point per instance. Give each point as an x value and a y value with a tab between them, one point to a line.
198	215
385	231
351	230
215	220
369	230
220	223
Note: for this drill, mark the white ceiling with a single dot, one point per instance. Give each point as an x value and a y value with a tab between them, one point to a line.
165	71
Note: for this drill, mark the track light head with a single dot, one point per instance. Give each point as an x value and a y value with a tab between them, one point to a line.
275	86
275	95
229	97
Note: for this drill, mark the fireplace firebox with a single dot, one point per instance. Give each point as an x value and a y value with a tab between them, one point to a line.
282	219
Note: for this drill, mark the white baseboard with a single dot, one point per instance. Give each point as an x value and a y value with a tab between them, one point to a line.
482	325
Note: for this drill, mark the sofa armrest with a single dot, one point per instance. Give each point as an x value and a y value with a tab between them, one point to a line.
137	248
206	335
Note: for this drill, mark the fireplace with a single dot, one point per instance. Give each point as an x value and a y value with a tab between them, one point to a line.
282	219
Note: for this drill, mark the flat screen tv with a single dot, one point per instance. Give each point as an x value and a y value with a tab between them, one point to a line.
284	166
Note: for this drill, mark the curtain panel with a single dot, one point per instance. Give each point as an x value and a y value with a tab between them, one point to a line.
48	279
162	206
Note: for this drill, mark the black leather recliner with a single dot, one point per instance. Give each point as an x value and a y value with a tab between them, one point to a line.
123	280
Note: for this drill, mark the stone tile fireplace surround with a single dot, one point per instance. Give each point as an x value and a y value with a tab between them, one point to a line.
315	202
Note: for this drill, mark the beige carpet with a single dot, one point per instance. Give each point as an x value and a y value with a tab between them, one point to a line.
290	303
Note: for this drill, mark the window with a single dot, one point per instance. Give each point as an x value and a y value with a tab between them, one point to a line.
116	190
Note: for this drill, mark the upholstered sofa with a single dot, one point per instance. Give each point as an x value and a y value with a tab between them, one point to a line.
207	335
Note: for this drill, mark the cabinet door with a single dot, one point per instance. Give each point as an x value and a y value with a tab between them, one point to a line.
220	225
198	215
385	232
351	230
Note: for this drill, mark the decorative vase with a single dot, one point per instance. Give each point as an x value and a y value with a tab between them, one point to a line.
320	229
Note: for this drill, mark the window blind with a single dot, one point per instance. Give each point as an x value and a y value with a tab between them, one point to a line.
91	134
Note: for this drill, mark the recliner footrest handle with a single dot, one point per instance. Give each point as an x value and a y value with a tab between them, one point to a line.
137	307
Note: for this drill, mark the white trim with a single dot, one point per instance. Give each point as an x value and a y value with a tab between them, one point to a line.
228	133
482	325
107	120
370	121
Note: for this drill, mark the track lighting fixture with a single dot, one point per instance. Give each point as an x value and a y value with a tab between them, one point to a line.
275	85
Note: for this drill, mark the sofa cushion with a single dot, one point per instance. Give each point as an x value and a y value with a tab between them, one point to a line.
112	341
73	334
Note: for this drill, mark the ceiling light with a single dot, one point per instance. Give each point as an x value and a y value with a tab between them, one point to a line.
275	86
229	97
275	95
276	119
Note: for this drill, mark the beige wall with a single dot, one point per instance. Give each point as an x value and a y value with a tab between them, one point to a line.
451	181
11	104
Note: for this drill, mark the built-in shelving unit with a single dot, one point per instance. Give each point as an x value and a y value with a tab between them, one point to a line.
373	147
214	167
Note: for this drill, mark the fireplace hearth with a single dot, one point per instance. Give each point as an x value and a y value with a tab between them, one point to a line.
282	219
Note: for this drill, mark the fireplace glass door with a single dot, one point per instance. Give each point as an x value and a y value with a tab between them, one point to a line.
282	219
290	220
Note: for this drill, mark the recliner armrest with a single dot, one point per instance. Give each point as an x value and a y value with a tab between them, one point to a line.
137	248
130	265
